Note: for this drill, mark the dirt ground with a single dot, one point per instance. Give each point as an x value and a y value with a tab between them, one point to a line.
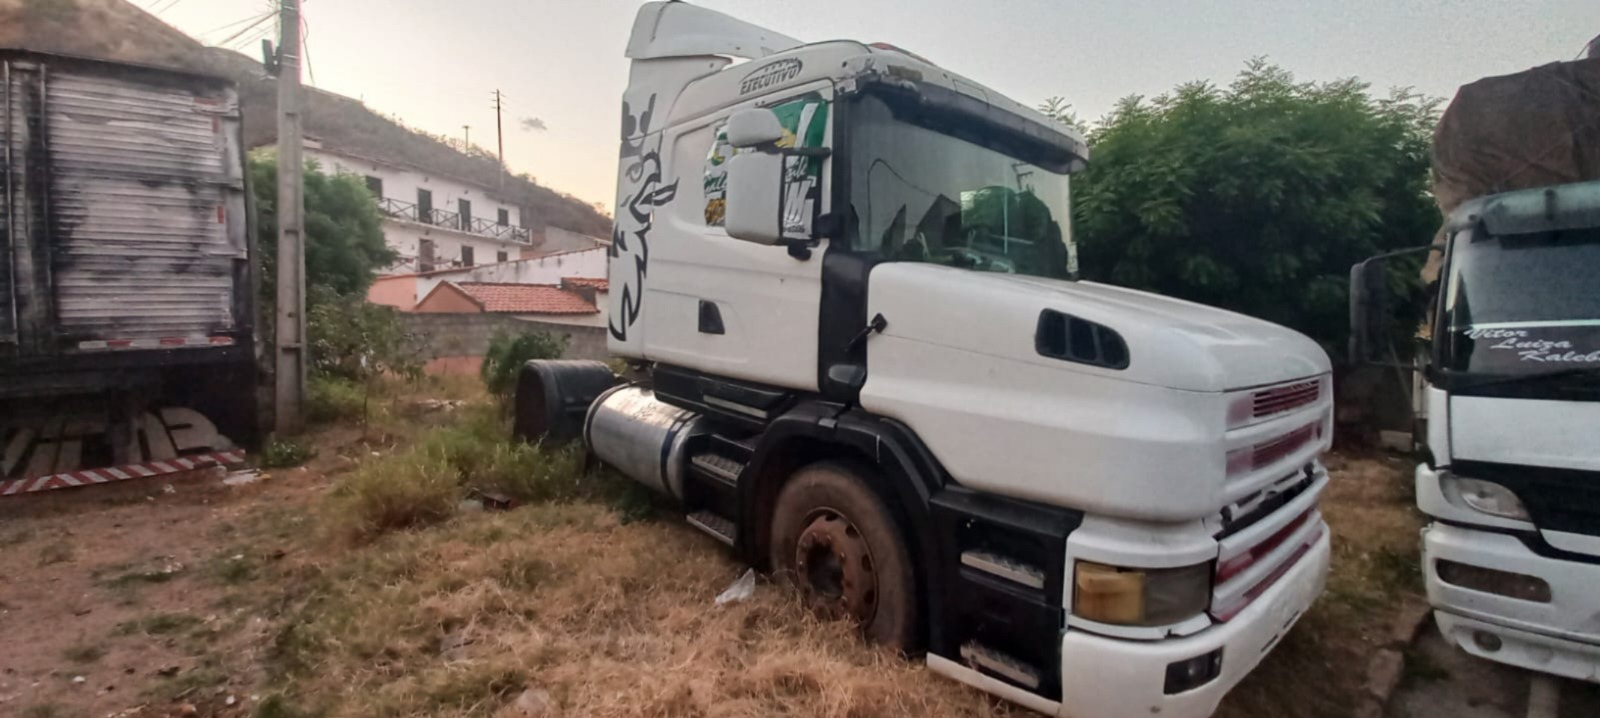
1443	681
213	600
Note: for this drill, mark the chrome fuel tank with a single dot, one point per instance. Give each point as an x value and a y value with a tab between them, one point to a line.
645	439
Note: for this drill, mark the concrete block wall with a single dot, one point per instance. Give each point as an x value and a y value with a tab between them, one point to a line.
456	343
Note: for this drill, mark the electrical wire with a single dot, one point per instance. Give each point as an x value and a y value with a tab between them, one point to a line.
236	23
252	26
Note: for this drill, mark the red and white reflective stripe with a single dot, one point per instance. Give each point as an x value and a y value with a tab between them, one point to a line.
85	477
161	343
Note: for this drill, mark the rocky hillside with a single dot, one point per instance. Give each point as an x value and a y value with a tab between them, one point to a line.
119	30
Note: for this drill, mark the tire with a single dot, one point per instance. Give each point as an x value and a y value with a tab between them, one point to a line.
835	540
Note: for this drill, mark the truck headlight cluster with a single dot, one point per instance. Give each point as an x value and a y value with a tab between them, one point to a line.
1485	496
1140	596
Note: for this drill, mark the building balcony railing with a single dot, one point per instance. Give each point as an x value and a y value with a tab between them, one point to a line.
409	212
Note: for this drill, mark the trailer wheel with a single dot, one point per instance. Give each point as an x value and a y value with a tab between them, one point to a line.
837	543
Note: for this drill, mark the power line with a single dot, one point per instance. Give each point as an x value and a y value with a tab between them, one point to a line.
252	26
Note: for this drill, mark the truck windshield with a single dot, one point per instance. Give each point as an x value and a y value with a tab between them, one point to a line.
1524	305
920	195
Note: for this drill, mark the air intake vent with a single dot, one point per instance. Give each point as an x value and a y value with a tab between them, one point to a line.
1063	336
1280	399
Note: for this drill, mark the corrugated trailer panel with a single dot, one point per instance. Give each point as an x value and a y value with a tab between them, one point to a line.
146	208
8	284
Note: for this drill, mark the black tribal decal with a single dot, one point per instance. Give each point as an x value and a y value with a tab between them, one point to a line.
647	194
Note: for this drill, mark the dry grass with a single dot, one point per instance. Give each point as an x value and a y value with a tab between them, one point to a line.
612	619
616	619
436	612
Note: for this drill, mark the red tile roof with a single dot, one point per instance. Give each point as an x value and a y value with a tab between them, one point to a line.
600	284
526	298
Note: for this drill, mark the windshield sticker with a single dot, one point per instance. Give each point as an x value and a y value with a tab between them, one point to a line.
1560	346
804	124
770	75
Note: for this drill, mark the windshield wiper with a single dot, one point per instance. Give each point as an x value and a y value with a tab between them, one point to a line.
1590	372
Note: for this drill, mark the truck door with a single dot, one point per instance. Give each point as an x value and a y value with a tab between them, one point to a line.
724	306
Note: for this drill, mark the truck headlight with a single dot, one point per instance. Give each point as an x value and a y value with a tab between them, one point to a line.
1487	497
1140	596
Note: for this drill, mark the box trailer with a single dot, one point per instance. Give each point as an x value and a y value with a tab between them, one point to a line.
127	303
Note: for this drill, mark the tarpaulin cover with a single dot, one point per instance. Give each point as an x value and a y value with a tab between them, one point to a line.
1532	129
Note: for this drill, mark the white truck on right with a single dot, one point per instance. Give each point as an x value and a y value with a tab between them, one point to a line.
1511	390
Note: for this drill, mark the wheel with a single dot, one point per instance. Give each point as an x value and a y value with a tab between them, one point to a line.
837	543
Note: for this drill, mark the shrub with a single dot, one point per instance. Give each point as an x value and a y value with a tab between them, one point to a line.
422	485
354	339
478	449
284	453
415	488
332	398
508	352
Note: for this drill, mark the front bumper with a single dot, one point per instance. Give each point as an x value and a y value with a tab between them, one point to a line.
1561	637
1111	678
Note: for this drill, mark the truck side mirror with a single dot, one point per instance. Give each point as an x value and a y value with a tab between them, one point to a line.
754	127
755	196
1369	302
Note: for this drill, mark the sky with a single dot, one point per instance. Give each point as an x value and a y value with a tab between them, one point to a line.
436	64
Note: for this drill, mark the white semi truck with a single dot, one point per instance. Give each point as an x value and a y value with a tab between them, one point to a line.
845	278
1510	384
1512	476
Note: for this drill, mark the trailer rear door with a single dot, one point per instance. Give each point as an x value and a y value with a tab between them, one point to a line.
147	211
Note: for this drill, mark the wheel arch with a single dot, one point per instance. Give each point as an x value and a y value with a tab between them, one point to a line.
906	477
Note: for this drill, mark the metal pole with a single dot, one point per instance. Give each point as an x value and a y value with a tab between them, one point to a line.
466	137
291	320
500	139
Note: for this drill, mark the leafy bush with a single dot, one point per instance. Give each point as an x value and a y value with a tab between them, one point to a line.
1258	196
333	398
508	352
354	339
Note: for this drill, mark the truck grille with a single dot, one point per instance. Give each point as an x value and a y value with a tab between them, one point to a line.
1279	399
1264	538
1268	452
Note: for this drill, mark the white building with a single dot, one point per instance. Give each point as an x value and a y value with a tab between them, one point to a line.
432	221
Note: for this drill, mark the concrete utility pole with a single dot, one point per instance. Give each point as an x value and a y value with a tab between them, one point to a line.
466	137
500	139
290	390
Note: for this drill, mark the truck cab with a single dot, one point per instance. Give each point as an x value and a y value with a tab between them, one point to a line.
1512	476
847	282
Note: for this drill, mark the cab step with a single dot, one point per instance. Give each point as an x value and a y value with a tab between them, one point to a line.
720	528
1005	568
998	664
717	467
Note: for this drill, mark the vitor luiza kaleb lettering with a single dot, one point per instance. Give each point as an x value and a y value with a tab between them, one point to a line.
1535	350
767	76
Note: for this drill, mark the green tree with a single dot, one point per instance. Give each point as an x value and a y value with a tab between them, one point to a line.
1058	109
508	352
344	235
1257	197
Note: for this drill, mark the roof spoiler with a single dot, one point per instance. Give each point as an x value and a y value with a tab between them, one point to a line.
678	29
